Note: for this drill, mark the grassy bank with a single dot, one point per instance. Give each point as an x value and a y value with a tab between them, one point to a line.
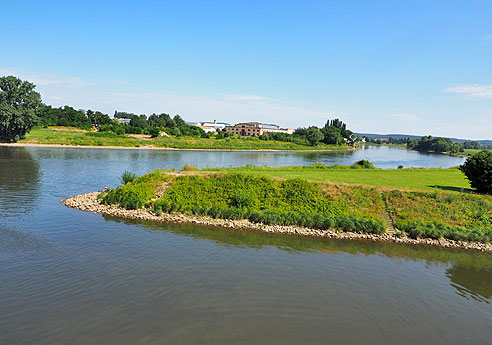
68	136
413	178
313	197
258	199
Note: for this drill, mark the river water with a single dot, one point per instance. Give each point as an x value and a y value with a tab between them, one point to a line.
71	277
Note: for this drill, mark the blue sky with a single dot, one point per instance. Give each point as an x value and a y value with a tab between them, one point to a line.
419	67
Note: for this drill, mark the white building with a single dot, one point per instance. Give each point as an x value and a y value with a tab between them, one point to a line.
211	126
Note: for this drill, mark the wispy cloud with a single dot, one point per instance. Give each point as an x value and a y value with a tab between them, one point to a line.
247	98
47	79
488	38
482	91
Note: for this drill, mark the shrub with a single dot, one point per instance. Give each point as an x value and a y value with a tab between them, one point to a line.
154	132
362	164
243	199
478	170
128	177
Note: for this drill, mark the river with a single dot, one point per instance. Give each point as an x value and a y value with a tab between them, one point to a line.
71	277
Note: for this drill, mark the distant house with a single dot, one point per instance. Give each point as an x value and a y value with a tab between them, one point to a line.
255	129
211	126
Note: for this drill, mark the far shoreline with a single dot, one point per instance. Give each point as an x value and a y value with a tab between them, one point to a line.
145	147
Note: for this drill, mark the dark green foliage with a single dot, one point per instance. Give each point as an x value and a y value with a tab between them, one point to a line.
242	199
18	105
478	170
437	144
332	135
154	132
314	136
435	230
362	164
128	177
137	193
262	200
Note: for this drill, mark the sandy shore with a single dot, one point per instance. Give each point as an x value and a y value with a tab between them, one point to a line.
150	147
88	202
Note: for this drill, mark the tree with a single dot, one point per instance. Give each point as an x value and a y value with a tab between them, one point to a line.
332	135
478	170
179	121
18	105
154	132
314	136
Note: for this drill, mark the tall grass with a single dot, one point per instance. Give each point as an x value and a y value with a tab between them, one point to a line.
128	177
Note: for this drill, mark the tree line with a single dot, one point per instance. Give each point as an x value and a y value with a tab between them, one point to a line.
21	109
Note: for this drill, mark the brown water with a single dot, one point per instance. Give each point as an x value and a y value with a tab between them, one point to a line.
70	277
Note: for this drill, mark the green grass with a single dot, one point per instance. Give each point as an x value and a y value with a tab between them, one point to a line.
321	197
78	138
259	199
87	138
471	152
412	178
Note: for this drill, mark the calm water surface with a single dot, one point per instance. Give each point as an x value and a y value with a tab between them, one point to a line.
70	277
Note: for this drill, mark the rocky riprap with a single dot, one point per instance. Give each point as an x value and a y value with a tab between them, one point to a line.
89	202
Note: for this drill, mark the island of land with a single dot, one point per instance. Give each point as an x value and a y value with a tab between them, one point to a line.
414	206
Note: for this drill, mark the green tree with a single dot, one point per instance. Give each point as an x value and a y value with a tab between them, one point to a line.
478	170
332	135
179	121
18	105
314	136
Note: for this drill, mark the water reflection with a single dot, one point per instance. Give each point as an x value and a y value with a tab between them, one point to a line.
382	157
19	181
470	273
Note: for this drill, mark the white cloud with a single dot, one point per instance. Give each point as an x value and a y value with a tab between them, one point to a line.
47	79
472	90
488	38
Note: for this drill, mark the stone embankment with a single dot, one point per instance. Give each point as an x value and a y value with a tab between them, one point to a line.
88	202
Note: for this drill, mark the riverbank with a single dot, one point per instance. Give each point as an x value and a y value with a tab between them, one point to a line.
290	204
89	202
70	137
151	147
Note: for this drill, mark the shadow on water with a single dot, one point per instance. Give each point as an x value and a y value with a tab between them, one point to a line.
19	181
470	272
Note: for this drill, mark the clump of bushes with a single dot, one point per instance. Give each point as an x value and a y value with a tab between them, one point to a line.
136	193
420	229
362	164
262	200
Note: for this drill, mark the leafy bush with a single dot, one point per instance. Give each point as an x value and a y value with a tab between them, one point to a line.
478	170
435	230
128	177
362	164
154	132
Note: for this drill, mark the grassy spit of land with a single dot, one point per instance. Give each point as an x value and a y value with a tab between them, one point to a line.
313	201
77	137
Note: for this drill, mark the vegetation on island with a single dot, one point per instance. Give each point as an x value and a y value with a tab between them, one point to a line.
313	197
433	144
258	199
